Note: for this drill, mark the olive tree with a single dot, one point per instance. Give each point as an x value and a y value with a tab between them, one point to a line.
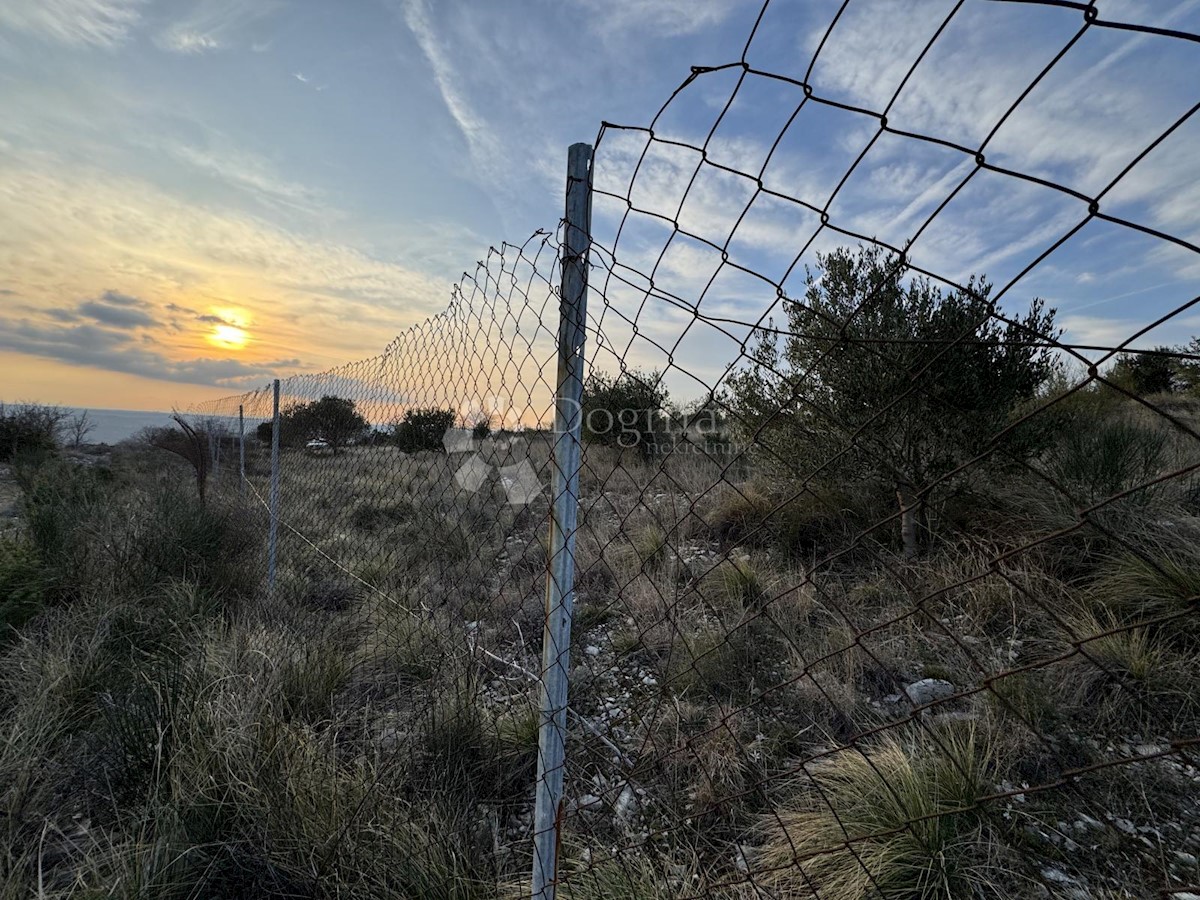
880	375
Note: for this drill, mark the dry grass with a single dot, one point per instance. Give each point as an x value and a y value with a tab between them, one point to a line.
897	819
366	730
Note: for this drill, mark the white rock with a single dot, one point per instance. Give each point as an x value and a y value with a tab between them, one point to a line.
592	650
588	803
927	690
1125	825
626	806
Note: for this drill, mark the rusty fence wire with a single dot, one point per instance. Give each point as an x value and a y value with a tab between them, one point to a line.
886	572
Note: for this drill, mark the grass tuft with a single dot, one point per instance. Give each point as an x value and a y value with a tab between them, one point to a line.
898	820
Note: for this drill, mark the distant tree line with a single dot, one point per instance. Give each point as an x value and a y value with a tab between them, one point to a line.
1165	370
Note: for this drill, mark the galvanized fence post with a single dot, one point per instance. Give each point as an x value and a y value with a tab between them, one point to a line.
273	532
241	450
560	587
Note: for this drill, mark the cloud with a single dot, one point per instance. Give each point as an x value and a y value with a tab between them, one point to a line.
98	23
74	227
118	299
213	25
248	172
116	315
179	41
117	351
482	142
669	18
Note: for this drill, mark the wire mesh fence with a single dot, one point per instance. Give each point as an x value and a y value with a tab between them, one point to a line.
882	583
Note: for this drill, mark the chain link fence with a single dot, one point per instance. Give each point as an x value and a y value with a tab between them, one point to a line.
881	584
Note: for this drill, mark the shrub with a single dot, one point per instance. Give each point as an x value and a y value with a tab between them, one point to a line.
628	411
1145	373
423	429
208	545
28	430
334	420
906	806
93	533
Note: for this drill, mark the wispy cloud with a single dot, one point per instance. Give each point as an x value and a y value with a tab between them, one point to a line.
99	23
481	141
213	25
246	171
669	18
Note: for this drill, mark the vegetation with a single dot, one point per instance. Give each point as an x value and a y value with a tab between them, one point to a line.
915	379
423	429
335	421
28	430
901	818
629	411
1167	370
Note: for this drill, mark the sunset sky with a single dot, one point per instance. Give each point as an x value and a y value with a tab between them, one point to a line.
199	195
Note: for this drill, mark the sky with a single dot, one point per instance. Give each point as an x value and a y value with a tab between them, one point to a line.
200	195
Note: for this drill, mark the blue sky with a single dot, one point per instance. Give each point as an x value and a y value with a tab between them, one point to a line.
200	195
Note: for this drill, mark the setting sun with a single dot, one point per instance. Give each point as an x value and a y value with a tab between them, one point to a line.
228	336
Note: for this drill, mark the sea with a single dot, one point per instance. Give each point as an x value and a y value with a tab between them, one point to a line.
114	425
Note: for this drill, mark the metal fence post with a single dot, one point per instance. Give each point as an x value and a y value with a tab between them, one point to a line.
241	450
560	587
273	533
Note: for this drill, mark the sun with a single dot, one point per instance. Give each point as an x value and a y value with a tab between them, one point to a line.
229	336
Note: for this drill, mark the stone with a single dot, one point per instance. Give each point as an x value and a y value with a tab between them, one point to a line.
929	690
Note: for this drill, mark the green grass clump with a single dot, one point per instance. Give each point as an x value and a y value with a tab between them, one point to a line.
898	819
1161	587
651	545
1107	455
742	581
22	586
722	661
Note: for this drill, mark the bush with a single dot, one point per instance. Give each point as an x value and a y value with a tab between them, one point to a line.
28	430
423	429
628	411
93	533
1145	373
936	391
